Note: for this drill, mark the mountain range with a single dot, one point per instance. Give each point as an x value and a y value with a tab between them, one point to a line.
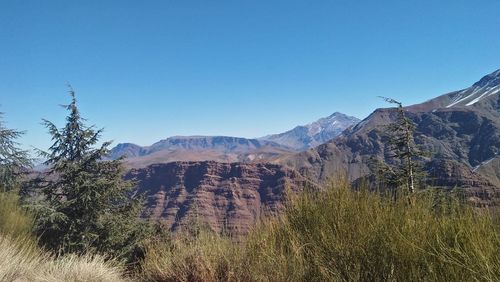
234	149
459	130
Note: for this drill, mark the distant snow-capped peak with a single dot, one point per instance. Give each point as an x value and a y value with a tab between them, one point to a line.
315	133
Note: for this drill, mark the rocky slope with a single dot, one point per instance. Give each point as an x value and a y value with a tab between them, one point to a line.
478	96
308	136
461	130
226	197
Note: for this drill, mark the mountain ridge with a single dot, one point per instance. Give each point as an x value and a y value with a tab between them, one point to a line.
233	149
303	137
474	96
463	138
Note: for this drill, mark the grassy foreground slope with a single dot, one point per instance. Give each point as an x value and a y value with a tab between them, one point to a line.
334	235
344	235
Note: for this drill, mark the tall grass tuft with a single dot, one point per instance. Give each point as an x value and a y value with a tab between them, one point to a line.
345	235
21	260
204	256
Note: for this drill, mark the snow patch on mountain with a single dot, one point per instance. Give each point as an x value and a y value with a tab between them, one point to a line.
490	92
484	163
486	87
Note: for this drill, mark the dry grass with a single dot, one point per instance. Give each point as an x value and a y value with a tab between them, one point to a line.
334	235
21	260
343	235
201	257
83	268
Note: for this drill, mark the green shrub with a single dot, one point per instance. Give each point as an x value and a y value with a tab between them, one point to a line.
344	235
205	256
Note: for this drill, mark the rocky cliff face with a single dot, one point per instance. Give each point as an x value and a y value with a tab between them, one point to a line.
228	197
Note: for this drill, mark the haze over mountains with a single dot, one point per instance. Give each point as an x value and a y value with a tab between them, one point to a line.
235	149
459	130
199	148
193	143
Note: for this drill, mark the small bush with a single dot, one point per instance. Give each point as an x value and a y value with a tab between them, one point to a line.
203	257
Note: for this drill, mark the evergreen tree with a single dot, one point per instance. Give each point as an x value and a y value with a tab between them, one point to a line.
402	146
12	159
87	205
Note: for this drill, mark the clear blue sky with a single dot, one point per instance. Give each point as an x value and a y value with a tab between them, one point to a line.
146	70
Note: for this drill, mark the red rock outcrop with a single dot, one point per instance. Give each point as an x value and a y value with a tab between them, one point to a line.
228	197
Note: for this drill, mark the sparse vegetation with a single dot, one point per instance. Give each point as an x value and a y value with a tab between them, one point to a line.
345	235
